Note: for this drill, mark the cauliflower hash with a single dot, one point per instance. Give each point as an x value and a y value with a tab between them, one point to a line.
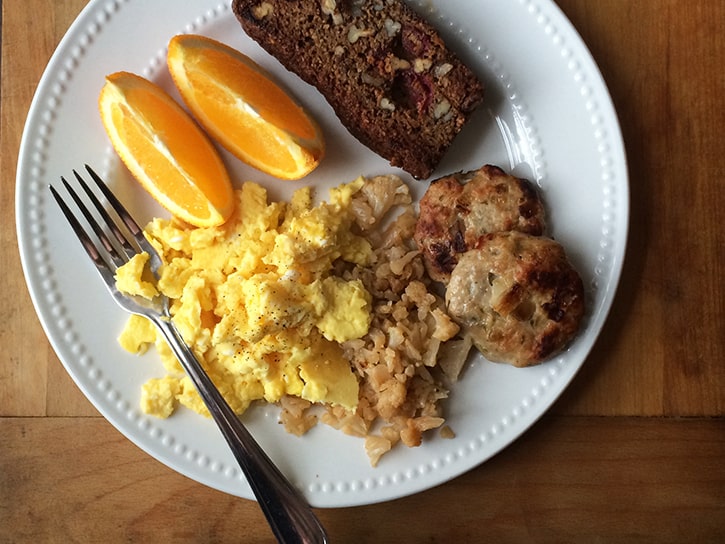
305	305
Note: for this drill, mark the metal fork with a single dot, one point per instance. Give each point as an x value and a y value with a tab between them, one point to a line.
288	514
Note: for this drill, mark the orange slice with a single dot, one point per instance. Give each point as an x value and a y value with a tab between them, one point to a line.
238	104
165	150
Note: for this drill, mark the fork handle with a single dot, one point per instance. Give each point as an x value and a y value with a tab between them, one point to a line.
288	514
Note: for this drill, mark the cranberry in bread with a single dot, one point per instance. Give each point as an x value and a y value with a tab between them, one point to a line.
385	71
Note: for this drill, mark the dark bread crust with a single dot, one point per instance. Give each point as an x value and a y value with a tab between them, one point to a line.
385	71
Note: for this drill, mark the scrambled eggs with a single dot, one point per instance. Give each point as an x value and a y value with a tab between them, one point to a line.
257	301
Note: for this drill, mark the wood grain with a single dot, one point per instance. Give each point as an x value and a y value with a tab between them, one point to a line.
661	352
28	364
633	450
583	479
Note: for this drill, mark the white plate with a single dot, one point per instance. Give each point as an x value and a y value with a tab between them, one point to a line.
547	116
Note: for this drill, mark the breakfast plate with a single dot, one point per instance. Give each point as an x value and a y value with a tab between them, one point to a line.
547	116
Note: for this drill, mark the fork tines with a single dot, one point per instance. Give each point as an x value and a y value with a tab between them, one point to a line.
124	249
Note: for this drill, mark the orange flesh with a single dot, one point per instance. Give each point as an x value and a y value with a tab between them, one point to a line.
264	97
164	149
237	103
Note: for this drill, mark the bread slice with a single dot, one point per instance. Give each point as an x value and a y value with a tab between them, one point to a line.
384	70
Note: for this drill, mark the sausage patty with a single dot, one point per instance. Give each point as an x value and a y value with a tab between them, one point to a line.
518	297
457	209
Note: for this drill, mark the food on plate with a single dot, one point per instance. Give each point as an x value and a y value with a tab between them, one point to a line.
165	150
241	107
384	70
456	210
512	290
134	280
302	304
412	352
517	296
256	301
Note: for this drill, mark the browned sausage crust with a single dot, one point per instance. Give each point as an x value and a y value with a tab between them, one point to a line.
518	297
458	209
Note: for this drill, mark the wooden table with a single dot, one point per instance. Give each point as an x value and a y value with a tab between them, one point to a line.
634	451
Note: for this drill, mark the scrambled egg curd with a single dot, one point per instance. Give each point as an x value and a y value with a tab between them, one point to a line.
258	302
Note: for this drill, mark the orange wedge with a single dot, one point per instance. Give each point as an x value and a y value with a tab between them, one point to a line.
165	150
238	104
